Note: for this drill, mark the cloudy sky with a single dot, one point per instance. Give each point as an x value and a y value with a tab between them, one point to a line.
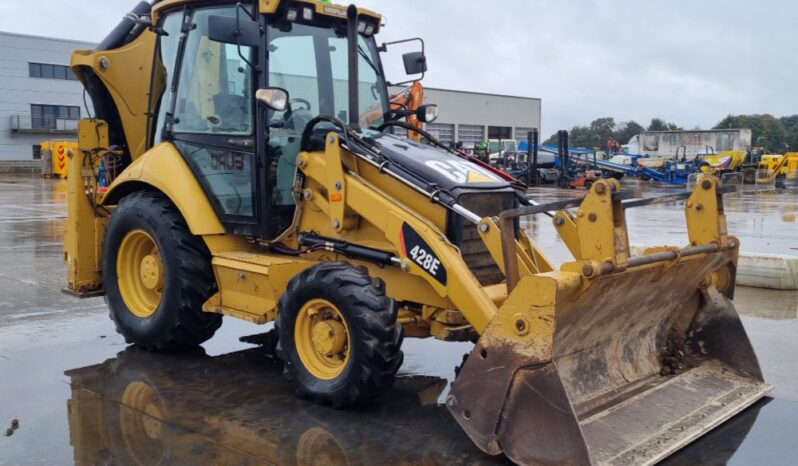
688	61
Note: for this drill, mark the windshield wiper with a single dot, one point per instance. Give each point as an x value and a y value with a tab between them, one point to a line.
368	60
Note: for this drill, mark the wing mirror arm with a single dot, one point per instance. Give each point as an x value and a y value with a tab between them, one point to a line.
235	30
415	62
239	9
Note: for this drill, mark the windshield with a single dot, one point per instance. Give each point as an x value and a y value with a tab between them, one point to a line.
311	63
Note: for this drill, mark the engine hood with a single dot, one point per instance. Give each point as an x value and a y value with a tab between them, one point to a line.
435	165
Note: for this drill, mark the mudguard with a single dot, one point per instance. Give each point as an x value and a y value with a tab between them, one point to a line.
164	169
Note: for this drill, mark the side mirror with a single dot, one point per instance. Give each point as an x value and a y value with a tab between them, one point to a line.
273	97
415	63
427	113
233	30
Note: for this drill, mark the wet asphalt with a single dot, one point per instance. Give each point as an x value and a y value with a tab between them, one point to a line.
82	396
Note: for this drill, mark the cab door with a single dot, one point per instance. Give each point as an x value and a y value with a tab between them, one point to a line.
208	112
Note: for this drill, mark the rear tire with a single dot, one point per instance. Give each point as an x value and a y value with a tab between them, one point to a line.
749	176
162	311
335	297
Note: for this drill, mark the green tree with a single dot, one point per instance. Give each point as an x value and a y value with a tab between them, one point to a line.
602	129
583	136
766	130
791	126
551	140
593	136
627	130
658	124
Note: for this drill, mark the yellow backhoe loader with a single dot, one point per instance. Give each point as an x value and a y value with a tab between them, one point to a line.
246	173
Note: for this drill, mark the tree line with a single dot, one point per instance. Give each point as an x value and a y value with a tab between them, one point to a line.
774	134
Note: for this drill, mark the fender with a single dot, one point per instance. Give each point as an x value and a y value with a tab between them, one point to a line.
164	169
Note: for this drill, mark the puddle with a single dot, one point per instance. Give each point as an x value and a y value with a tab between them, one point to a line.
238	408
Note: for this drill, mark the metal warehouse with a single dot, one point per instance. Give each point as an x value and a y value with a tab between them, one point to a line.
41	99
470	117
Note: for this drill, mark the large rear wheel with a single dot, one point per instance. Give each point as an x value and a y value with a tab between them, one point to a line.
338	334
157	275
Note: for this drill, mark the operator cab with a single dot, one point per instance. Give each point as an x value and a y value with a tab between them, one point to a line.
238	87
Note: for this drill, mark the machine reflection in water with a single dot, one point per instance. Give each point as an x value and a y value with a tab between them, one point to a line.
145	409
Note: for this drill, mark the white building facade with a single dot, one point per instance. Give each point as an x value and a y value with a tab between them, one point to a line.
471	117
40	98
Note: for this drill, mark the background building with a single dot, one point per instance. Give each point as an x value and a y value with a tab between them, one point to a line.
470	117
689	143
40	98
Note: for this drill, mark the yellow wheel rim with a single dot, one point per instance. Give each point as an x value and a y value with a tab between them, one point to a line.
319	447
140	420
722	278
140	272
322	339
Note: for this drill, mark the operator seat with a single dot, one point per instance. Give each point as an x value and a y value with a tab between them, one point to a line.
234	112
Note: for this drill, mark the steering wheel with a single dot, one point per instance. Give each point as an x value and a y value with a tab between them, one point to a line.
302	101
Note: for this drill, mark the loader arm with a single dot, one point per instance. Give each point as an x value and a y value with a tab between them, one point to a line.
445	271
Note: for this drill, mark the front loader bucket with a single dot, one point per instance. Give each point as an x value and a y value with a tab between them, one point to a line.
622	369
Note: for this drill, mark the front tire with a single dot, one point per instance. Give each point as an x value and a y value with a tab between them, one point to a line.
157	276
338	334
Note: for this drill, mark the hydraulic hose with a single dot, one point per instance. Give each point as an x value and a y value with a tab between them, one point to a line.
128	29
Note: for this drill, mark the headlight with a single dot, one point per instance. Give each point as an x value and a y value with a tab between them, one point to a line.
427	113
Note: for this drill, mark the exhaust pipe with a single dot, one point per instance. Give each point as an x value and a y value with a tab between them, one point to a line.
127	29
354	87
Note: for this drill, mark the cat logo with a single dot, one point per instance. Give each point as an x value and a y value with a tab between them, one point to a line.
462	172
477	177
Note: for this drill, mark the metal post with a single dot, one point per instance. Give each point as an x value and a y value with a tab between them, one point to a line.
532	157
354	87
564	156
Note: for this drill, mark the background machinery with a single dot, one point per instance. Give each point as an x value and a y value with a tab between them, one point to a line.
252	178
55	157
410	99
778	168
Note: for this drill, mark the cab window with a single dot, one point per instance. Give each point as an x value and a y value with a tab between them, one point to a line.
215	90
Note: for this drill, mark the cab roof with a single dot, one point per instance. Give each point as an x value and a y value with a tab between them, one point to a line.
268	7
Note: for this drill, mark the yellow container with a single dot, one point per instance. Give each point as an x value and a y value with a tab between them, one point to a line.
56	155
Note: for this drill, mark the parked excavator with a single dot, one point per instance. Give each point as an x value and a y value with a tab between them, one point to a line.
249	183
410	99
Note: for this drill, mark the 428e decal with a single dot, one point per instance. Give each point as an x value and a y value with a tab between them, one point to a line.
414	247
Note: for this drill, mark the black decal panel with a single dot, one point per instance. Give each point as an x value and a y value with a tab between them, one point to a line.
417	250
